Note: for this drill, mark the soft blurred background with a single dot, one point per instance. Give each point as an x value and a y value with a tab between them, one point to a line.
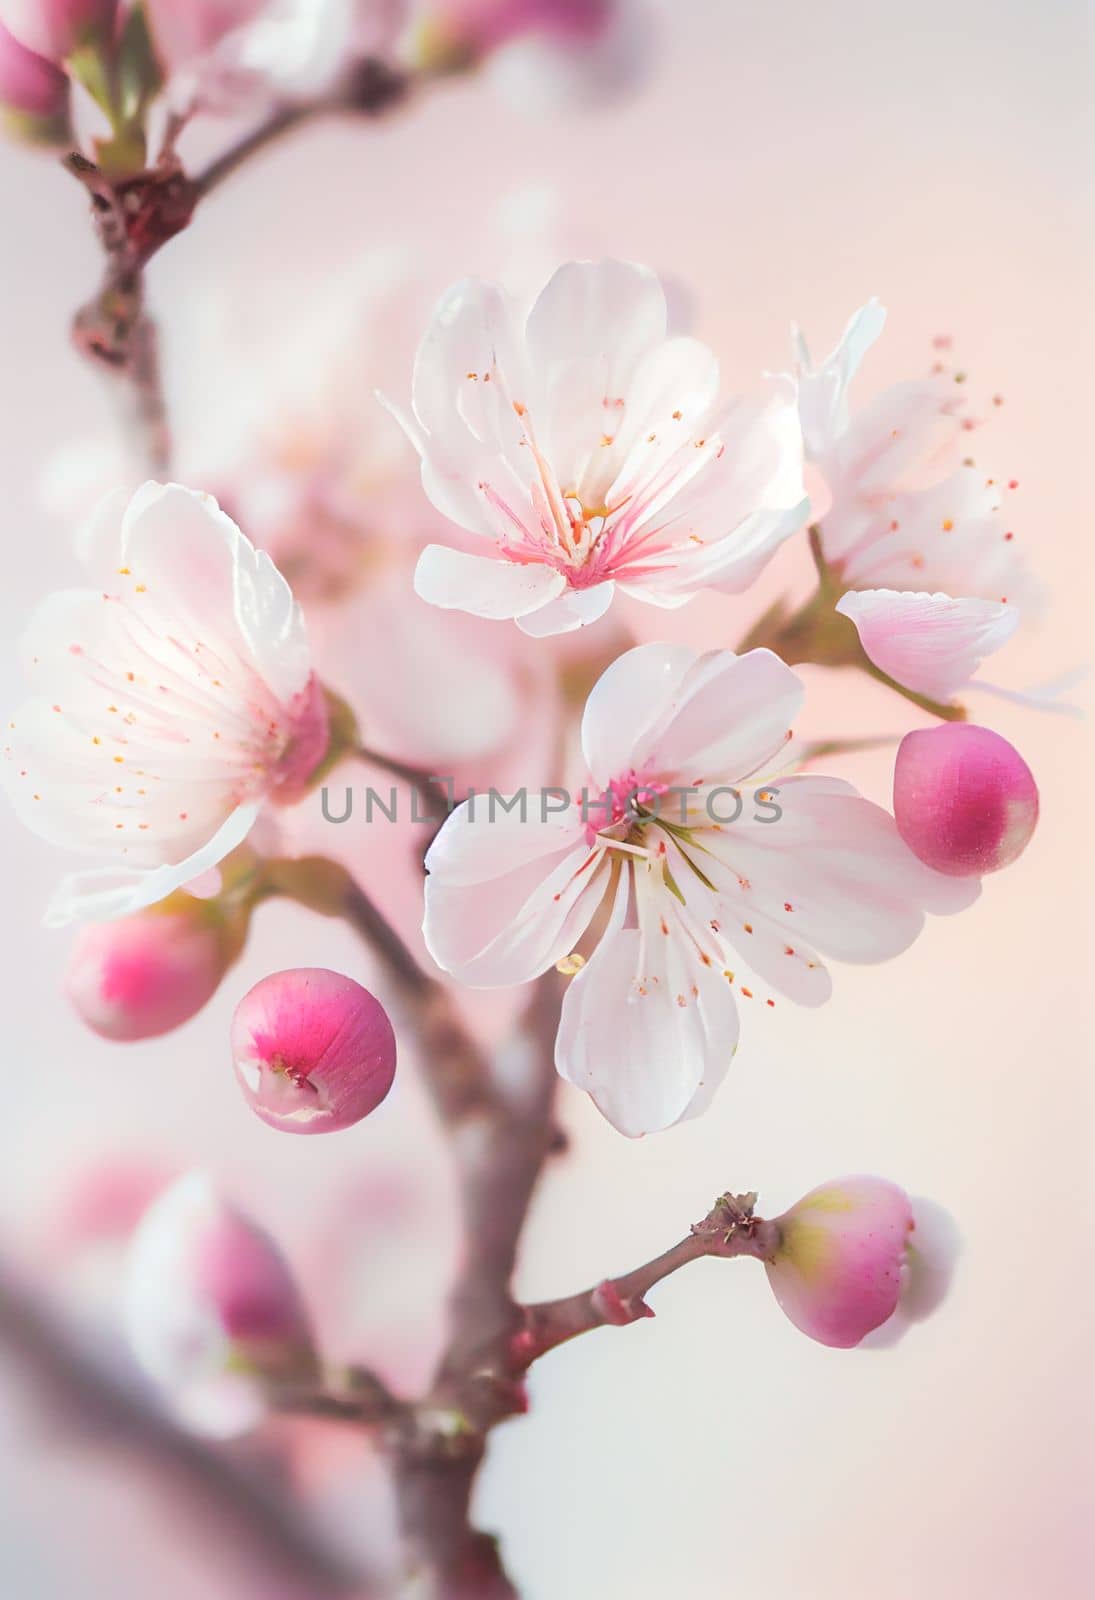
781	162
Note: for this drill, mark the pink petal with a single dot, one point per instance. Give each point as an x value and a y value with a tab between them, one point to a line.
574	608
483	585
838	1270
930	643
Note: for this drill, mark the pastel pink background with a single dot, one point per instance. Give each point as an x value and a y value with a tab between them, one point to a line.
787	161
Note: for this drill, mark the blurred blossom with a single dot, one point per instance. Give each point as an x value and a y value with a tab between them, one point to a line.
34	94
314	1051
185	32
332	490
853	1257
146	974
697	878
925	543
54	28
173	701
964	799
224	54
382	1259
211	1310
84	1229
542	54
591	451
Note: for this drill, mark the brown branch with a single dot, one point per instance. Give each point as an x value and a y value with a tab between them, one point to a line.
438	793
499	1120
133	218
729	1229
136	215
500	1138
92	1401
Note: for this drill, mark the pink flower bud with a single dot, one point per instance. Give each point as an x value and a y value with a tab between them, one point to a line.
33	93
183	33
964	799
211	1310
838	1269
314	1051
146	974
55	28
926	1273
452	33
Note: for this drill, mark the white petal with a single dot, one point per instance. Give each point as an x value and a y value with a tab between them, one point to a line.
732	715
930	643
832	872
486	587
665	711
626	700
192	558
508	898
509	891
823	394
590	327
488	838
645	1031
102	894
574	608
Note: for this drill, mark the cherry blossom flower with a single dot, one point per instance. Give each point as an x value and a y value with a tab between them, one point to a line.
858	1258
591	451
220	54
922	542
700	867
540	54
172	701
210	1308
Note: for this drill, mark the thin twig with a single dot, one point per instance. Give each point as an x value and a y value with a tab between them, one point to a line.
370	89
730	1229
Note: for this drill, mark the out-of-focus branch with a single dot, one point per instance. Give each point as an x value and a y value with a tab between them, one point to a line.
136	215
371	89
133	218
91	1401
729	1229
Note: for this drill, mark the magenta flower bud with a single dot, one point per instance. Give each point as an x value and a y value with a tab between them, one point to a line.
145	974
211	1310
34	93
964	800
55	28
314	1051
839	1268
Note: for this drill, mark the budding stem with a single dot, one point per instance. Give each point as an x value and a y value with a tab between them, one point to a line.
729	1229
